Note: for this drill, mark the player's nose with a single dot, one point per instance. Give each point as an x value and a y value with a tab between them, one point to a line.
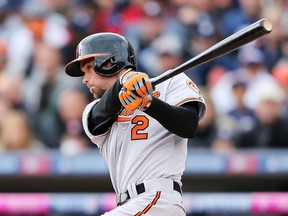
85	78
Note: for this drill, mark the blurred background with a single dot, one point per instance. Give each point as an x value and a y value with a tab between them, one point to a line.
237	164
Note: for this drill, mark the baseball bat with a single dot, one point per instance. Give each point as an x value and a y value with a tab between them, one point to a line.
227	45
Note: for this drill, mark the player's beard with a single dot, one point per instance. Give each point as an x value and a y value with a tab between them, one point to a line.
97	93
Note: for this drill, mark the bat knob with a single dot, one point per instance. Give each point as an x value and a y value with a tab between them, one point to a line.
267	25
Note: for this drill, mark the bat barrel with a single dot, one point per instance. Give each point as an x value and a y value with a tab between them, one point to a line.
227	45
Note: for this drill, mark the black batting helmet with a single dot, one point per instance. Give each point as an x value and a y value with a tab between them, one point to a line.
104	47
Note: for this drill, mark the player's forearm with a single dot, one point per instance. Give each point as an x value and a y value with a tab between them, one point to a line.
183	120
103	114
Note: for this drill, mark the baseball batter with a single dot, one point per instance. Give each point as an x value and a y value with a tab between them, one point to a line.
140	130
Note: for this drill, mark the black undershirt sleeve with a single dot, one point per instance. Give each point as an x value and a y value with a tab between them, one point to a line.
104	112
182	120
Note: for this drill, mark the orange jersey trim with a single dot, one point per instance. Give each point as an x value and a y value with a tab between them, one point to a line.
123	119
199	99
148	207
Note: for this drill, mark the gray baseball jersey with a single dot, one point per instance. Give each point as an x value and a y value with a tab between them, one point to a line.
139	148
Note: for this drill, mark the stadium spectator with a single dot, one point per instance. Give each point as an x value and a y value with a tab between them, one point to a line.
71	104
270	128
252	71
155	23
10	83
280	72
17	134
167	51
215	132
41	91
245	13
243	115
107	17
271	45
15	33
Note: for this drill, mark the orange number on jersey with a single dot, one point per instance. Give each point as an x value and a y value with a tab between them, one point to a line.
141	123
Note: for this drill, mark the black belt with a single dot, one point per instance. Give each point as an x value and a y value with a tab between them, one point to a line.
140	188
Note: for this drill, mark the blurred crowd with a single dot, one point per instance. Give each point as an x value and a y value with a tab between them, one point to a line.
245	91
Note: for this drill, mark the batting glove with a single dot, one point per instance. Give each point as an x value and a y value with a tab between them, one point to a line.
137	82
132	101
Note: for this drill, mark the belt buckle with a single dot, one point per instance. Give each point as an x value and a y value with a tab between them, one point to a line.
121	198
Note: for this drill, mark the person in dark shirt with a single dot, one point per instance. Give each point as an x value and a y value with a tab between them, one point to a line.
271	128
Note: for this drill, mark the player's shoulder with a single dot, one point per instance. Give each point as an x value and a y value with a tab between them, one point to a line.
181	78
185	82
89	106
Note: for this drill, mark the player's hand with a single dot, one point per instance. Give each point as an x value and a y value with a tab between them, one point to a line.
131	100
137	82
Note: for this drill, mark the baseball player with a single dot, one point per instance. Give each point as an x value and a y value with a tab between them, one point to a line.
141	131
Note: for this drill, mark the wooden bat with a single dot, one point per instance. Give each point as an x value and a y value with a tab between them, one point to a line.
227	45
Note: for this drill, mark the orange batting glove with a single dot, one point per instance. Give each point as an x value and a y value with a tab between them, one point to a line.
137	82
132	101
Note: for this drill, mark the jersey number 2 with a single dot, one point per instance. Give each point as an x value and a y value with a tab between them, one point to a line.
141	123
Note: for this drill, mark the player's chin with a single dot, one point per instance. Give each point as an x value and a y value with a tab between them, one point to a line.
97	93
